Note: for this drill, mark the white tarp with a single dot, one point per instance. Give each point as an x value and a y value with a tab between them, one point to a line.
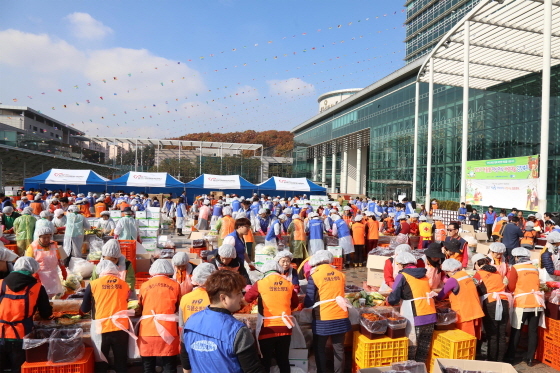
147	179
221	181
70	177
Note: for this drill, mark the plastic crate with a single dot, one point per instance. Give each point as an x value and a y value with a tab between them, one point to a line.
551	354
337	263
84	365
128	249
12	247
198	251
379	352
141	277
552	329
453	344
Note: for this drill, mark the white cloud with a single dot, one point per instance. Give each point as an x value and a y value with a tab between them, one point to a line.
289	87
84	26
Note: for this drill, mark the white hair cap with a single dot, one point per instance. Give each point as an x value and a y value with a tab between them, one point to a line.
240	215
283	254
405	258
521	251
206	202
271	265
497	247
59	212
282	217
403	248
422	218
180	259
287	211
295	216
538	215
335	217
358	218
134	202
227	251
436	217
346	208
553	237
26	263
73	208
161	267
44	230
262	211
27	211
111	248
414	215
201	273
7	255
37	197
451	265
105	213
44	214
106	267
100	200
227	211
8	210
392	214
476	257
321	257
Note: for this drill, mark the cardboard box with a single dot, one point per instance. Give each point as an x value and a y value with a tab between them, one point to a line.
375	265
483	248
115	213
153	209
196	261
143	262
467	228
140	214
154	223
299	359
143	223
153	215
335	250
473	365
197	235
481	236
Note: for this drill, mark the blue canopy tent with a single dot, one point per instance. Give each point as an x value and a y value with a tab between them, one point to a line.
147	182
287	187
229	184
79	181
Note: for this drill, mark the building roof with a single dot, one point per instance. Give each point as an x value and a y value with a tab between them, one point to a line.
27	108
506	42
165	142
338	92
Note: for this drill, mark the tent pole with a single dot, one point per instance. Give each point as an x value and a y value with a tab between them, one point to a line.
179	177
200	162
136	157
262	172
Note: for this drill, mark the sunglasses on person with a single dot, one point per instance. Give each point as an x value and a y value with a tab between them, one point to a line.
451	230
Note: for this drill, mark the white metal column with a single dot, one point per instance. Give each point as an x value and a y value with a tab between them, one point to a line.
416	124
430	130
179	176
359	170
545	109
333	181
344	172
324	170
465	136
315	161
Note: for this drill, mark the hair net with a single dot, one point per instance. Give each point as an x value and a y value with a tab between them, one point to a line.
553	237
169	244
335	217
73	208
497	247
27	211
271	265
206	202
8	210
392	214
44	230
477	257
405	258
37	197
450	265
227	251
7	255
521	251
538	216
295	216
262	211
99	200
436	217
346	208
201	273
111	248
321	257
422	218
283	254
282	217
402	248
240	215
104	213
287	211
227	210
44	214
161	267
106	267
26	263
358	218
180	259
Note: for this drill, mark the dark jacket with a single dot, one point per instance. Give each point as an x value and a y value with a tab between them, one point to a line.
548	264
511	235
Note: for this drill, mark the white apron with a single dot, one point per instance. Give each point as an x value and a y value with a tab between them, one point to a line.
96	332
517	317
48	271
499	306
297	340
406	312
162	331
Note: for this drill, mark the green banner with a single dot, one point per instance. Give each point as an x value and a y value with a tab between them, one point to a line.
504	168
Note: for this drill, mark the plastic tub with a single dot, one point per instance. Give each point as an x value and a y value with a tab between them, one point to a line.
36	345
375	328
66	345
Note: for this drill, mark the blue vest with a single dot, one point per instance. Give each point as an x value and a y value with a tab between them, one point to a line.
168	205
270	235
255	207
239	247
408	208
490	217
277	210
342	228
286	224
179	210
235	205
140	206
209	338
391	209
91	201
264	223
296	210
371	206
316	229
217	211
269	205
155	203
462	210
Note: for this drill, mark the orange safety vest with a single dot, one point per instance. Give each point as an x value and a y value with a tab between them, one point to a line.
158	295
466	303
420	288
347	219
456	256
373	229
84	209
413	228
249	237
330	284
228	226
527	281
193	302
17	320
498	228
36	207
110	294
529	238
275	295
390	225
440	231
358	233
107	200
494	283
30	197
123	205
299	232
99	208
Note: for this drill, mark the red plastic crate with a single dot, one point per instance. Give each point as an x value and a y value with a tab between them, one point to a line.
84	365
128	249
12	247
551	354
141	277
337	263
552	329
197	250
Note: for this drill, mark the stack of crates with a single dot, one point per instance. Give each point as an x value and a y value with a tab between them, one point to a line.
128	249
379	352
451	344
549	343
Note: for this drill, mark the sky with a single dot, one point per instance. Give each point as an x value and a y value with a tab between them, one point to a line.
160	69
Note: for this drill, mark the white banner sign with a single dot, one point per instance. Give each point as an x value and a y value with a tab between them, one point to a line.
147	179
74	177
522	194
222	181
295	184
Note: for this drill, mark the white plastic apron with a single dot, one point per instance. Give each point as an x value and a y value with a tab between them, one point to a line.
162	330
96	332
406	312
297	340
48	271
517	317
345	305
499	306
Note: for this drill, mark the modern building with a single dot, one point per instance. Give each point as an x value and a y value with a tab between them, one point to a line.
366	143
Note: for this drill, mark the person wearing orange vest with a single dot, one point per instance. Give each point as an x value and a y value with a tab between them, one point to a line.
276	299
372	235
37	205
21	295
413	289
461	290
325	295
111	251
523	281
45	252
296	230
529	236
389	225
196	300
496	256
107	299
100	206
495	304
158	334
225	225
499	225
413	222
347	215
359	238
439	229
183	271
83	205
